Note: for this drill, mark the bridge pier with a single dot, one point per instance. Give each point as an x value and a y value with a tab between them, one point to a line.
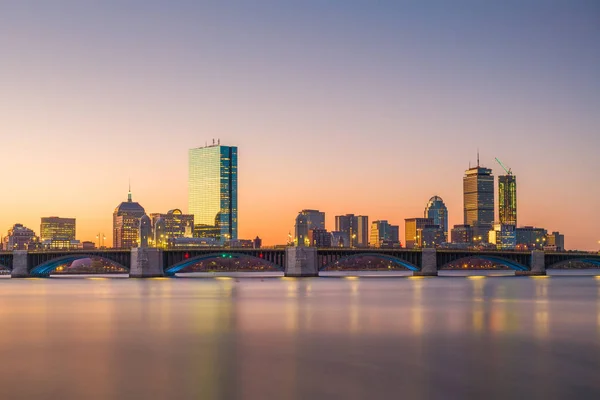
538	265
428	263
301	262
146	263
20	267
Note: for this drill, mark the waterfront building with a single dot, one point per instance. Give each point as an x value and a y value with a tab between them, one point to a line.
183	242
462	234
356	227
507	199
306	221
87	245
173	224
240	243
126	223
531	238
257	242
478	196
437	211
339	239
20	238
319	237
431	236
555	241
212	191
412	231
384	234
503	236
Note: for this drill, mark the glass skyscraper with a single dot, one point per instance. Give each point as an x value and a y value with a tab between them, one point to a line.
478	185
437	211
507	199
212	191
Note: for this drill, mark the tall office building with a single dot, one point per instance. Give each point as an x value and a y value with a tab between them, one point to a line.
478	186
412	231
356	227
126	224
507	199
306	221
212	191
436	210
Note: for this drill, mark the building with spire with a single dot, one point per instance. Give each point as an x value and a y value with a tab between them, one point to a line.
126	223
478	195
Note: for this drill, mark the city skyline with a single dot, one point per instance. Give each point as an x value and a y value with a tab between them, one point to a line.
370	113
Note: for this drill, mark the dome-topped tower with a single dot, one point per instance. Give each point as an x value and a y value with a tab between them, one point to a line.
436	210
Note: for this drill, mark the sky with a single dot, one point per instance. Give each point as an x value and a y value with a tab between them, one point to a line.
364	107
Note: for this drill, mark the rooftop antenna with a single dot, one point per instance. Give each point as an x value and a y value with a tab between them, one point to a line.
129	193
213	141
219	142
478	157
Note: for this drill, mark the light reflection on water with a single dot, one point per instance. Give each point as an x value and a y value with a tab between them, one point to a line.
257	338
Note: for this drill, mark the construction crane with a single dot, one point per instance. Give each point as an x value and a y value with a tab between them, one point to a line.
508	171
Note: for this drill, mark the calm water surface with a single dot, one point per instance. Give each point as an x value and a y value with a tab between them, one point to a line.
347	337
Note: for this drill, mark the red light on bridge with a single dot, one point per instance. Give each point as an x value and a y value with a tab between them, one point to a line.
261	255
186	255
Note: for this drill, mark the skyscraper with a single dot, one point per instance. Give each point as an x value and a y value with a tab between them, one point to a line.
212	191
507	199
306	221
56	228
436	210
126	223
384	235
478	186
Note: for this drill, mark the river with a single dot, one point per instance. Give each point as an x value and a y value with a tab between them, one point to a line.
345	335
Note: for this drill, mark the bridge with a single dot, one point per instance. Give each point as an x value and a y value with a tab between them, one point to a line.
293	261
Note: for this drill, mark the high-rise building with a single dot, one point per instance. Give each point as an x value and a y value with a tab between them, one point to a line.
507	199
126	223
412	229
306	221
478	186
339	239
503	236
384	234
362	239
20	238
212	191
431	236
436	210
173	224
356	227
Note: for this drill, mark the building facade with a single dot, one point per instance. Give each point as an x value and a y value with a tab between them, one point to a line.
531	238
503	236
126	224
306	221
319	237
431	236
507	199
356	227
412	231
437	211
173	224
20	238
462	235
212	191
478	195
384	234
555	241
57	228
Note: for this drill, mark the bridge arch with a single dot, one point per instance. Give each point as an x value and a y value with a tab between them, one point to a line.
47	267
395	260
495	259
595	262
175	268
